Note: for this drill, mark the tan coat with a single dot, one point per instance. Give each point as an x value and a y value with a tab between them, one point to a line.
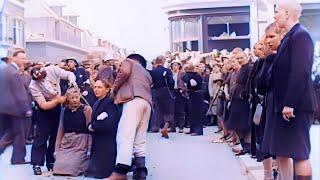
132	81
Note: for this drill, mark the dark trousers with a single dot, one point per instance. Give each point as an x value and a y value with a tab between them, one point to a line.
179	110
196	113
164	106
14	132
46	129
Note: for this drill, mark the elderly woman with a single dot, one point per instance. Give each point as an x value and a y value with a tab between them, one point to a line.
73	143
194	88
239	109
103	127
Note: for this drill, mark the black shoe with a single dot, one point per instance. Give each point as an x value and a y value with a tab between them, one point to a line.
1	150
37	170
253	156
226	137
242	152
210	124
50	167
29	141
19	163
141	172
154	130
218	131
172	130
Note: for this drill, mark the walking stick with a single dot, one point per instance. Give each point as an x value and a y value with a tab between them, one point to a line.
213	100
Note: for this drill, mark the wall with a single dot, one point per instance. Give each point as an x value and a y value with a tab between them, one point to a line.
41	25
49	51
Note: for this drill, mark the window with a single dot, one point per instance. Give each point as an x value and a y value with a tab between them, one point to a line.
18	32
185	29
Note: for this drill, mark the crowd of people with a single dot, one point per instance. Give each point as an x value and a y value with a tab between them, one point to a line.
92	119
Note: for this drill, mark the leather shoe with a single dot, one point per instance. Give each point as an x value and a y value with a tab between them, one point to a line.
218	131
164	133
154	131
18	163
117	176
242	152
195	134
50	167
37	170
172	130
1	150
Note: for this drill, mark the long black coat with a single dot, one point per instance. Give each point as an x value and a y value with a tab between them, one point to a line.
292	85
196	113
104	147
263	87
291	74
240	107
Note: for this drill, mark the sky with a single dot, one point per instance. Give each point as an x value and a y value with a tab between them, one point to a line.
137	25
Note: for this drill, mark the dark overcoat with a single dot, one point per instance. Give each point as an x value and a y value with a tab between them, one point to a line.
240	107
196	113
105	120
292	87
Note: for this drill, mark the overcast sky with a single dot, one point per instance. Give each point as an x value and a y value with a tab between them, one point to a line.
138	25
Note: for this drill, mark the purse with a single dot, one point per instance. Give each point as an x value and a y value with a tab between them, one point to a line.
258	114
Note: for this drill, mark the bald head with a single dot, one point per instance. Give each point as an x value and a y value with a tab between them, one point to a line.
288	10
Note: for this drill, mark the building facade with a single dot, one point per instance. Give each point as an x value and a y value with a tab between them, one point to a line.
12	26
226	24
51	36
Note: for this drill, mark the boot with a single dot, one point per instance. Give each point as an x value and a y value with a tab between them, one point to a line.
120	172
303	177
141	171
133	166
117	176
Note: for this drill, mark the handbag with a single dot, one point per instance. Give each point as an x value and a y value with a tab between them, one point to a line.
258	114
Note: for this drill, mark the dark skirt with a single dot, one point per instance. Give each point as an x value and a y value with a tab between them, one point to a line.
103	156
292	139
239	116
260	131
269	124
196	112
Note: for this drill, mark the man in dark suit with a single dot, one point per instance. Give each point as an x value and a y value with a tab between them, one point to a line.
163	85
15	107
294	96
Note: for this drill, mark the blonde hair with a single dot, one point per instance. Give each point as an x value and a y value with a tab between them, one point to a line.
71	91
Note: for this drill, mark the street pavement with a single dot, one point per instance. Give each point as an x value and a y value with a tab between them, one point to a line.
181	157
